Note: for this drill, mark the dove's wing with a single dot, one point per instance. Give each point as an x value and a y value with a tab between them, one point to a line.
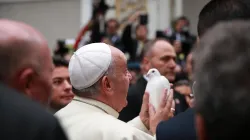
155	88
165	83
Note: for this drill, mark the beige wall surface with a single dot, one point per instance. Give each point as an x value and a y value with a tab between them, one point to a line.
191	9
56	19
61	18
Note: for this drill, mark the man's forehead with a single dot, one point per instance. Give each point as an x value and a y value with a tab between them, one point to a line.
60	68
61	71
163	47
168	54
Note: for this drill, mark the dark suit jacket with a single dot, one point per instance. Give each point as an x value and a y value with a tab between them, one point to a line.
135	97
180	127
22	119
130	44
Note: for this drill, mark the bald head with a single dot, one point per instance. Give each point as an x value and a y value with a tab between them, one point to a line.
160	45
161	55
26	64
19	31
155	45
20	45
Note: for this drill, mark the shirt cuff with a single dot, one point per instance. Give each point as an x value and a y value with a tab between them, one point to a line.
137	123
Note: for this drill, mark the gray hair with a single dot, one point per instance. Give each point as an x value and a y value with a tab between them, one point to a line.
222	71
95	88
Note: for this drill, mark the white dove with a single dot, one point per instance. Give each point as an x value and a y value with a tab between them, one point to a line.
155	86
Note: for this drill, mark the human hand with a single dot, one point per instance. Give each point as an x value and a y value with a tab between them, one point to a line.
164	112
144	114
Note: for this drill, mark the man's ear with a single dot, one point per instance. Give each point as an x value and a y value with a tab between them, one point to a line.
200	127
106	86
24	81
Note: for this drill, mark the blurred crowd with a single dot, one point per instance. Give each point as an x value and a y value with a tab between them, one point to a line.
98	91
133	41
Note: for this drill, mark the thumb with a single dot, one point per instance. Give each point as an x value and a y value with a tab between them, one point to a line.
151	110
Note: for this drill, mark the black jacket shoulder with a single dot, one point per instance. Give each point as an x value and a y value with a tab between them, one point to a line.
22	118
180	127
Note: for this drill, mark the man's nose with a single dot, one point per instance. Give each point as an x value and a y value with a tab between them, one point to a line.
67	85
172	63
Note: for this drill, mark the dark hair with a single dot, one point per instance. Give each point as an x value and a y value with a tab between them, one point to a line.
222	10
140	25
222	71
181	18
61	50
59	61
113	20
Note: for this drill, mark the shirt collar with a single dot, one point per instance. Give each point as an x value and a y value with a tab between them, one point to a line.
145	77
104	107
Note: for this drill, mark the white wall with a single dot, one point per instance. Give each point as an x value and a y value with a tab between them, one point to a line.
191	9
62	18
55	18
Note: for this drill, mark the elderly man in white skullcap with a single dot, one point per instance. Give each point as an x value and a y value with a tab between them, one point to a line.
100	80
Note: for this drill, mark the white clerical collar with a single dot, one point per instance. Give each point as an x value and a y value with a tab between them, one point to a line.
145	77
104	107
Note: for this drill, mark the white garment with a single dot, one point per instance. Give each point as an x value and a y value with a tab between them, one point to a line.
139	48
87	119
88	64
145	77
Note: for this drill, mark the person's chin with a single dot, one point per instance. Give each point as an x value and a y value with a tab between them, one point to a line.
65	102
171	78
67	99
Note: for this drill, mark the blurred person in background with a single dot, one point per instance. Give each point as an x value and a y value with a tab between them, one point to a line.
189	67
62	93
182	126
181	34
184	81
135	72
134	45
111	35
180	59
26	66
61	50
185	88
186	74
157	54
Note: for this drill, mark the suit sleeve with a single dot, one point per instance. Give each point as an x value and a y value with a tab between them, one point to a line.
131	134
137	123
181	127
